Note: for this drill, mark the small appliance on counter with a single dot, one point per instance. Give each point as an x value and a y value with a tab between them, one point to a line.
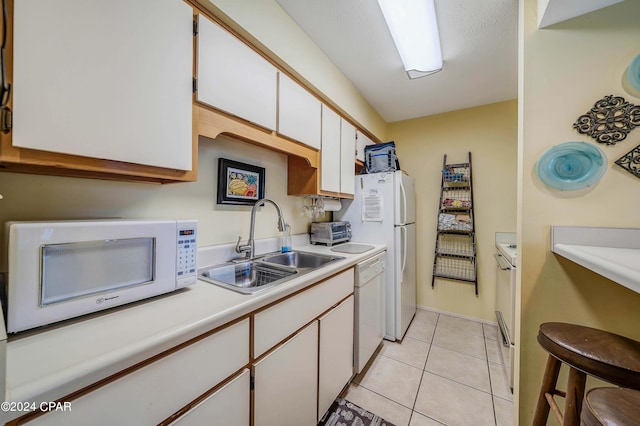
60	270
330	233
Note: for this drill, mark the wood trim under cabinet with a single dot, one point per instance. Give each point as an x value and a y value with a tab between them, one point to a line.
213	123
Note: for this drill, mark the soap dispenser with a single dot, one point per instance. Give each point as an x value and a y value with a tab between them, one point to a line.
286	239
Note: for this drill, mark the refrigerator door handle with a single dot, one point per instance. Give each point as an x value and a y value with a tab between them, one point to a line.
403	236
403	202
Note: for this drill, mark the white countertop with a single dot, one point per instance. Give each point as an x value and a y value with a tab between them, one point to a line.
49	363
506	245
613	253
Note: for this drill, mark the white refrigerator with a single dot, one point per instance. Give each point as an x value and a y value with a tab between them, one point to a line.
383	212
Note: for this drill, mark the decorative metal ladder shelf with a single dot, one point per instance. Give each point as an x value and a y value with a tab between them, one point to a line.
455	252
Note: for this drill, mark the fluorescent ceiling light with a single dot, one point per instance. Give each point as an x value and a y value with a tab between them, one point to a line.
414	29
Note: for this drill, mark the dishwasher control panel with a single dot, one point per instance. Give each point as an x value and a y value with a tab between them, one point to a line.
370	268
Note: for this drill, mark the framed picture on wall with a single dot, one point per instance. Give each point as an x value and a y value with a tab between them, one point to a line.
239	183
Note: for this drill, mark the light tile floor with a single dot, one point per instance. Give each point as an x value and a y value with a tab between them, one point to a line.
447	370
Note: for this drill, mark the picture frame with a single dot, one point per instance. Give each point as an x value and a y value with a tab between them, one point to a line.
239	183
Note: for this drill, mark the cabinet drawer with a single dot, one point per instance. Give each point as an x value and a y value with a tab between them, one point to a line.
154	392
231	403
283	319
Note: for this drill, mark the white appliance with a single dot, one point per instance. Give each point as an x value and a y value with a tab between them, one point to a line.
61	270
506	258
383	212
369	309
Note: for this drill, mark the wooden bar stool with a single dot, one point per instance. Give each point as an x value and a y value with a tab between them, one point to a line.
585	350
611	406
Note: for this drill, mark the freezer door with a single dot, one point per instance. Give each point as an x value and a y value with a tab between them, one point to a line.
405	204
405	272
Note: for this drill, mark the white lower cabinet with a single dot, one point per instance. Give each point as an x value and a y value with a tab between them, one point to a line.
302	359
276	323
229	405
286	382
159	389
336	353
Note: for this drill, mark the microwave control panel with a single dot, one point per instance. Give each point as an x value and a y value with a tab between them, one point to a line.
187	248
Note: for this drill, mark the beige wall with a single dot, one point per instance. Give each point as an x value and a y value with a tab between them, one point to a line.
566	68
34	197
490	133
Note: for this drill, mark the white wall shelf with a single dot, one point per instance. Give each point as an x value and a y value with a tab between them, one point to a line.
613	253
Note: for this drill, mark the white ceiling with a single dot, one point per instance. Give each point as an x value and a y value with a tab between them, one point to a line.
479	46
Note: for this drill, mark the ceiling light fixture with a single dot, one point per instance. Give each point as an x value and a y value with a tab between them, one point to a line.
414	29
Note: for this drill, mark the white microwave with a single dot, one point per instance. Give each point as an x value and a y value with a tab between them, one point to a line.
61	270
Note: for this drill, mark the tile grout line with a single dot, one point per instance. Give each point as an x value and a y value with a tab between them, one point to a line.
493	403
413	409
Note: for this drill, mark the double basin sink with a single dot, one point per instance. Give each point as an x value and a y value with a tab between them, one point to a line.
264	272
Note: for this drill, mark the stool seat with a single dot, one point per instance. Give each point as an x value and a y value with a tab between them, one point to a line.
611	406
585	350
599	353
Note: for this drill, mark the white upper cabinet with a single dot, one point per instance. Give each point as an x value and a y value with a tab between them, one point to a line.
347	158
362	140
107	80
233	77
299	113
330	152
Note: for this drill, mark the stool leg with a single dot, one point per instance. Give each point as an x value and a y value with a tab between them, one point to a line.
548	386
575	394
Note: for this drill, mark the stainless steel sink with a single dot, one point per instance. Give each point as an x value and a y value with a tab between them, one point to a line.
264	272
247	277
299	259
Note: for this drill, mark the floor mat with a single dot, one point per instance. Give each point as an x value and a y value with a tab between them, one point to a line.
345	413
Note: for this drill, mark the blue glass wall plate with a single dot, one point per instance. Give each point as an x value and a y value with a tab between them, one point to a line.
572	165
634	73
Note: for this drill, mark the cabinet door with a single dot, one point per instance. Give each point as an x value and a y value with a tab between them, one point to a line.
347	158
274	324
330	151
105	80
362	140
159	389
286	382
299	113
229	404
233	77
336	353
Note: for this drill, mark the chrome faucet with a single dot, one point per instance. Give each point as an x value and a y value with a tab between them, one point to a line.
249	247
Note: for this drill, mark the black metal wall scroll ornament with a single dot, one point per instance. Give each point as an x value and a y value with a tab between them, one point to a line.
631	161
610	120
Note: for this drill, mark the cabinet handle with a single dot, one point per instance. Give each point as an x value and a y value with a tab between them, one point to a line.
502	263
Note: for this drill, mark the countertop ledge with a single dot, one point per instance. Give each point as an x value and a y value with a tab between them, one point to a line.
83	351
613	253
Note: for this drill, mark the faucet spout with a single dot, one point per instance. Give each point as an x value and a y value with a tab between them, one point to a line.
250	246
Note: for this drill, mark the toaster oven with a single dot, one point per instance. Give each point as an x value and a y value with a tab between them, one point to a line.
329	233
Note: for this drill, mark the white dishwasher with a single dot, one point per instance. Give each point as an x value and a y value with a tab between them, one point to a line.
369	309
